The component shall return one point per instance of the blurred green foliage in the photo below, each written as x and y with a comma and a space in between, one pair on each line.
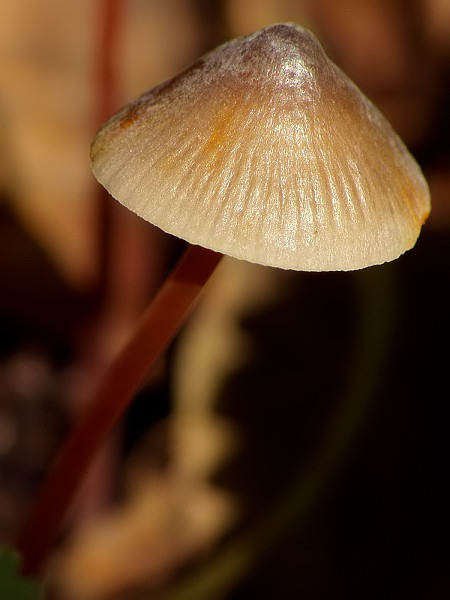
12, 585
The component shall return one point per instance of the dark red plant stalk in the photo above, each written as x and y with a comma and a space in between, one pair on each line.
157, 328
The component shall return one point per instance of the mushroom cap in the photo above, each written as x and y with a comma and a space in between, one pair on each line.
265, 150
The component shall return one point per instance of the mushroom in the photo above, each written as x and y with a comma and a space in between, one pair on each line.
263, 150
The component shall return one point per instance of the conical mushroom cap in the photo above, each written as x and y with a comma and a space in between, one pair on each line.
264, 150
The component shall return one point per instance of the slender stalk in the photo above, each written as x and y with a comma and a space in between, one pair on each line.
158, 326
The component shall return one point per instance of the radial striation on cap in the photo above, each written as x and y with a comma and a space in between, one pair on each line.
264, 150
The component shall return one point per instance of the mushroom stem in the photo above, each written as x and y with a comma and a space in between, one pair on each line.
159, 324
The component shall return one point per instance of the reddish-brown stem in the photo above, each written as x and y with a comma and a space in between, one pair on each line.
159, 324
